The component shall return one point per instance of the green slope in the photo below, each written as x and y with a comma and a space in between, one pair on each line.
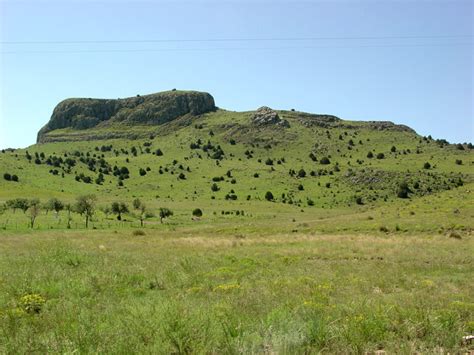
236, 150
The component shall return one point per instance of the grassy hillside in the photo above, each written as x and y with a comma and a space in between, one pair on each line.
245, 161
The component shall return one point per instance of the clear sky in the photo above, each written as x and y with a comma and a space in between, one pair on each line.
410, 62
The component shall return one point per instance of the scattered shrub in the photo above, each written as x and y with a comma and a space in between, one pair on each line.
197, 212
32, 303
325, 161
403, 190
269, 196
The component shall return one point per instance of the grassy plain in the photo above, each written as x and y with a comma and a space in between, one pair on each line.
214, 289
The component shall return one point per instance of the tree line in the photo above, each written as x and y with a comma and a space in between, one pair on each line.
85, 206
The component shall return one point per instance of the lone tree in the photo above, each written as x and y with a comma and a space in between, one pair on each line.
403, 190
427, 165
325, 161
34, 211
301, 173
118, 208
269, 196
141, 208
85, 205
197, 212
165, 213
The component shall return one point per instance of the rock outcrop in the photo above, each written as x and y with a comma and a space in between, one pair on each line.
154, 109
390, 126
265, 116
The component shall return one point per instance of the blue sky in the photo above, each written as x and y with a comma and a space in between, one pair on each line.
409, 71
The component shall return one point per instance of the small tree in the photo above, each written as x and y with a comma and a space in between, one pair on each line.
370, 155
197, 212
142, 211
34, 211
269, 196
403, 190
20, 203
68, 208
301, 173
325, 161
427, 165
85, 205
118, 208
55, 205
165, 213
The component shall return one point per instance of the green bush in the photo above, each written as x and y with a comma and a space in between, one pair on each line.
269, 196
325, 161
197, 212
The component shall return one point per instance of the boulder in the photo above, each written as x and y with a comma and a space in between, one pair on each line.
266, 116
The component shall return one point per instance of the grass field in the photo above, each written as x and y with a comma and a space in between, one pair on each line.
336, 262
217, 290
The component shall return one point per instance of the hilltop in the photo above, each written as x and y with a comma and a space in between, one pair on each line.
137, 117
154, 109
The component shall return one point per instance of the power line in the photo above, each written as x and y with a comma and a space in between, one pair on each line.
228, 48
270, 39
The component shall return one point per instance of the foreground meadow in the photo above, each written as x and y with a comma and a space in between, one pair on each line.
192, 289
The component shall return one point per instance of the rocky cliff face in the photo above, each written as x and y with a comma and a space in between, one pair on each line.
154, 109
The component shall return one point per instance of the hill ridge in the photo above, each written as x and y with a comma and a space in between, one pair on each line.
76, 119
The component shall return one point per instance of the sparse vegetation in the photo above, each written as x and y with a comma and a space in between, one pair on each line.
380, 248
